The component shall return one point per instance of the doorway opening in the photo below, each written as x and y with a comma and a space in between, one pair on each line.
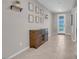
61, 24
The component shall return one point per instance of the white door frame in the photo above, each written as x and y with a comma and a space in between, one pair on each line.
58, 22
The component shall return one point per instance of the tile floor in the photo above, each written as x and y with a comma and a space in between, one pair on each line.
59, 47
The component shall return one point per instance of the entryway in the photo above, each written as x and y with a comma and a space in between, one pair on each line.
61, 24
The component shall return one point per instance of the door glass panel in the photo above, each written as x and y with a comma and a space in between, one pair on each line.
61, 23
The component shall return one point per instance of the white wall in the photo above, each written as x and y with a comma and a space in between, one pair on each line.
74, 26
16, 27
54, 24
68, 23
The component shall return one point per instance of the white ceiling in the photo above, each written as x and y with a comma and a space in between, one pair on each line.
58, 5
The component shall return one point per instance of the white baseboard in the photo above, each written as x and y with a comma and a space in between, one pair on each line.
15, 54
73, 40
68, 34
65, 33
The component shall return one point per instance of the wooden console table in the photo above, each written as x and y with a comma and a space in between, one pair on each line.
38, 37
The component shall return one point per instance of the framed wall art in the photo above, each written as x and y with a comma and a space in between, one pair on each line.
30, 6
46, 16
41, 20
41, 11
37, 19
30, 18
36, 9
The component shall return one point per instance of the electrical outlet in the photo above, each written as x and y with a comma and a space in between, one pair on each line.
20, 44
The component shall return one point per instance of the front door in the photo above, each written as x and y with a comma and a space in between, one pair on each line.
61, 24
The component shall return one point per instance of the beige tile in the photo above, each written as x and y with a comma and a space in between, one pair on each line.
59, 47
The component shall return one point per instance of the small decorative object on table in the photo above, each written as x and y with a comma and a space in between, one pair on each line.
16, 5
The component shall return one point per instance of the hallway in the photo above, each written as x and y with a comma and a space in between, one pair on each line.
58, 47
29, 24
